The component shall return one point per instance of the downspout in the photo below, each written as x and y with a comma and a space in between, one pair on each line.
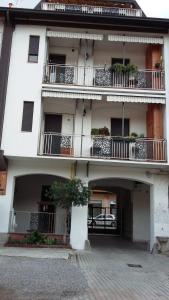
123, 111
83, 114
4, 73
4, 67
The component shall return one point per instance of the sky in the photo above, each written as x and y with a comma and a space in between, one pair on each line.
152, 8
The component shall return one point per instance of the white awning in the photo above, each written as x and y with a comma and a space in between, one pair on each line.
75, 35
135, 39
134, 99
59, 94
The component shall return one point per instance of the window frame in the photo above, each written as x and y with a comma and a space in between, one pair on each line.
32, 54
22, 124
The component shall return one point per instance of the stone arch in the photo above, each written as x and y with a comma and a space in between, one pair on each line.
45, 173
142, 179
32, 208
130, 197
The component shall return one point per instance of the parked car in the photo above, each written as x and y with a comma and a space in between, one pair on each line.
103, 219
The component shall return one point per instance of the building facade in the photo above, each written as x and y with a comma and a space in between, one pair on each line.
84, 94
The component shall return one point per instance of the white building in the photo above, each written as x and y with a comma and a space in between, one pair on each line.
86, 95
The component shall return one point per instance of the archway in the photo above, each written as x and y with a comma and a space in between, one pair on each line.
120, 207
32, 208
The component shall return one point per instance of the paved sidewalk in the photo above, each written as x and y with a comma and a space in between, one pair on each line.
52, 253
110, 278
104, 273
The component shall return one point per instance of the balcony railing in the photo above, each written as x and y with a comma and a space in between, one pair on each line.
27, 221
103, 77
104, 147
90, 9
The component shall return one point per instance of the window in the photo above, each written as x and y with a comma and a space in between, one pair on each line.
27, 116
120, 127
122, 61
33, 49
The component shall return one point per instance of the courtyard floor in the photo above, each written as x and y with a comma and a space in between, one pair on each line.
112, 270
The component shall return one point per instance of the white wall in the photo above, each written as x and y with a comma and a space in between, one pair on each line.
1, 34
105, 51
141, 213
159, 209
24, 84
25, 167
65, 107
27, 199
71, 56
103, 112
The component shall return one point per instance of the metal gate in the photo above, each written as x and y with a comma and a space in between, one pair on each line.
104, 220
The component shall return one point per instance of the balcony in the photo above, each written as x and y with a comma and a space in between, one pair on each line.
103, 77
92, 10
104, 147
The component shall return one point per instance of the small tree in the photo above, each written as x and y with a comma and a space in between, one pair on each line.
66, 194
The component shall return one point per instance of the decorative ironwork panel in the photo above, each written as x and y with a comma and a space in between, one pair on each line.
102, 147
66, 141
141, 150
144, 80
34, 221
103, 77
65, 75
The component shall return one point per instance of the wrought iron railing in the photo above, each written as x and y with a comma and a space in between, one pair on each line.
58, 144
142, 149
103, 147
90, 9
25, 222
103, 77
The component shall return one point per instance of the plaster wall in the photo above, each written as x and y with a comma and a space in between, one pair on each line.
100, 54
1, 34
71, 56
159, 213
24, 84
159, 209
141, 213
104, 52
103, 112
25, 167
64, 107
27, 199
104, 198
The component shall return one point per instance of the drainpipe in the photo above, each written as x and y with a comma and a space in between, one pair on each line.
83, 114
123, 110
4, 67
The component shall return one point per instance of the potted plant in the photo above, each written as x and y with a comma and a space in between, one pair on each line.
100, 131
104, 131
119, 68
131, 69
95, 131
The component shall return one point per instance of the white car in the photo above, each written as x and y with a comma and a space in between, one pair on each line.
103, 219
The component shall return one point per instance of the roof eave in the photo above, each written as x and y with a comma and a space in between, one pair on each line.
20, 15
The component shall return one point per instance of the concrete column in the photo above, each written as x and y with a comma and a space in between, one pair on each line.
82, 140
141, 213
166, 110
159, 209
78, 128
79, 229
6, 202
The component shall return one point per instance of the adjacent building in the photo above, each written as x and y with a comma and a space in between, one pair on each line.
85, 93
